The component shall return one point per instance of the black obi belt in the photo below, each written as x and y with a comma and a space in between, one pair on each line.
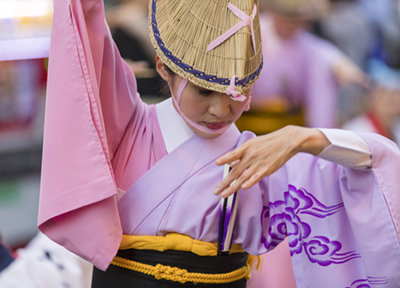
171, 268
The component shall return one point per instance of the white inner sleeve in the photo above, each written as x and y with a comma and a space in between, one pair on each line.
347, 149
174, 129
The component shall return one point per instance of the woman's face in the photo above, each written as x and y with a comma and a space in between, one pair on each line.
204, 107
207, 108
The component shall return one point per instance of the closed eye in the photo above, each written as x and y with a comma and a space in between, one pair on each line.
205, 91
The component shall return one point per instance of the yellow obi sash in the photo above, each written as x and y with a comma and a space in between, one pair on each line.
179, 242
173, 241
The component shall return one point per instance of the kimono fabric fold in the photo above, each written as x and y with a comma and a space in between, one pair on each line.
65, 178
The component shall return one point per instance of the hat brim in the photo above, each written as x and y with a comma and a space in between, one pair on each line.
207, 80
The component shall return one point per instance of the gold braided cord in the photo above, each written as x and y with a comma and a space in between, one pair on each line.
181, 275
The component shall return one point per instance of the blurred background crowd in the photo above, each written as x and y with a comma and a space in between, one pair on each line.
327, 63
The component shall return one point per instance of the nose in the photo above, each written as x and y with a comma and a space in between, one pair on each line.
220, 106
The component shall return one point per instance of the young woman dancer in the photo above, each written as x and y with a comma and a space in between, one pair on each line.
132, 184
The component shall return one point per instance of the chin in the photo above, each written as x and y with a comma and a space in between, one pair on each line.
207, 135
204, 134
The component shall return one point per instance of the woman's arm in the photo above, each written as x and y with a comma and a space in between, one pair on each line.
112, 81
91, 97
263, 155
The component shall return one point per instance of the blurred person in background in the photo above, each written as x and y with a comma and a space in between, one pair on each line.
127, 20
43, 264
301, 70
362, 29
347, 27
382, 113
6, 257
384, 16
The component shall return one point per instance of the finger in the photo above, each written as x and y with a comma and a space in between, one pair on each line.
234, 163
252, 181
231, 189
232, 176
226, 182
232, 156
237, 184
228, 192
228, 157
259, 173
221, 186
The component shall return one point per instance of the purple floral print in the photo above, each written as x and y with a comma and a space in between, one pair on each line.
365, 283
319, 249
324, 252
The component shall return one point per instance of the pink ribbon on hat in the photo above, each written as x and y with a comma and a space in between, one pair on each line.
231, 91
246, 21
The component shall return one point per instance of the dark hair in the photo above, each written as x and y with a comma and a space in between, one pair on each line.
164, 90
170, 72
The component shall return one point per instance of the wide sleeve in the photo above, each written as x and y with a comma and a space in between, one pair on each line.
342, 224
91, 97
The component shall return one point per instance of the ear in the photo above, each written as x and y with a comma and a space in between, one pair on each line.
160, 67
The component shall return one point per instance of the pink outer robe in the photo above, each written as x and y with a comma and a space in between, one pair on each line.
79, 190
101, 139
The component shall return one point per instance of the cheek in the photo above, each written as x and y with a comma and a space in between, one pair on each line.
192, 106
238, 108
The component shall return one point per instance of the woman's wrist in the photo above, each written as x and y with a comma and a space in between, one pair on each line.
312, 141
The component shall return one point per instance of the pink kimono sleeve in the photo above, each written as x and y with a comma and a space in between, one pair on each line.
78, 206
386, 167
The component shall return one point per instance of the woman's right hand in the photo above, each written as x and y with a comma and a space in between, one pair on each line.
263, 155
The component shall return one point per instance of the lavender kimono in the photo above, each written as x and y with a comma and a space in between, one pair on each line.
102, 141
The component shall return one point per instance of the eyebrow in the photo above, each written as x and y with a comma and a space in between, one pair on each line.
201, 88
204, 89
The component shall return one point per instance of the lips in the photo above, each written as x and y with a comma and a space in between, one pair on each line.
215, 125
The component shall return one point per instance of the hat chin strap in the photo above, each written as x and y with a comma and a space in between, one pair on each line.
201, 128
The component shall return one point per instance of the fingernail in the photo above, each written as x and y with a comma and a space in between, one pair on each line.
217, 191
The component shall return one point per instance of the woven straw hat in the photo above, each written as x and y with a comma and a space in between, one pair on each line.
183, 31
294, 7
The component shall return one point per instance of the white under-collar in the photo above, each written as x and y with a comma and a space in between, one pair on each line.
174, 129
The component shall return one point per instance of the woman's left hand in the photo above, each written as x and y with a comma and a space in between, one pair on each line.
263, 155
